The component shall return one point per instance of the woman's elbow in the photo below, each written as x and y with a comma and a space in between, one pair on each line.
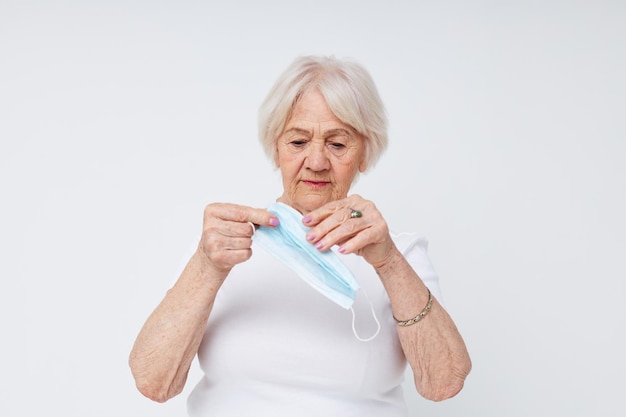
155, 392
445, 386
443, 391
151, 386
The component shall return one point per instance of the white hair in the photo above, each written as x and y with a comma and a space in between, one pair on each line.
350, 94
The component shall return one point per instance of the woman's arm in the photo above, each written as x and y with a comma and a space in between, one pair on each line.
433, 346
168, 341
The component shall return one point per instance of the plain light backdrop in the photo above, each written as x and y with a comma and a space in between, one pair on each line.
120, 121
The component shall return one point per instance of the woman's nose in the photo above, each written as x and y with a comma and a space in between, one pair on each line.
317, 158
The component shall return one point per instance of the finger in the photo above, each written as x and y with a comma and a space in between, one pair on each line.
227, 235
342, 233
337, 206
332, 217
357, 241
318, 215
237, 243
238, 229
227, 259
241, 214
261, 217
323, 230
351, 231
219, 228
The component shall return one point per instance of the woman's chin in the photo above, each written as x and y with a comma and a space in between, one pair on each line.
306, 205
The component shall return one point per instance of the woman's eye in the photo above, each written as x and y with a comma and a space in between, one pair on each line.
298, 143
337, 148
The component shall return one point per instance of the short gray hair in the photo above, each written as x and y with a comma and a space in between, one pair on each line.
350, 94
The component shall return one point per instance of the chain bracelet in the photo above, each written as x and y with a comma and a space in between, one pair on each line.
420, 316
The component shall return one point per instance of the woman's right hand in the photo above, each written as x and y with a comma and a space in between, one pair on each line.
227, 234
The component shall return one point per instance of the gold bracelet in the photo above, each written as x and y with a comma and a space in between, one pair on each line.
420, 316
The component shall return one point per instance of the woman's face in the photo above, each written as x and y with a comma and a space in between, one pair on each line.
318, 155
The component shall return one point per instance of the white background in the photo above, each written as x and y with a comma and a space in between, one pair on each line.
120, 120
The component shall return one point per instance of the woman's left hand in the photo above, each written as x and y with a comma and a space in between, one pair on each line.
366, 235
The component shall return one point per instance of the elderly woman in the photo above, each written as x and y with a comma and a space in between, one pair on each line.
268, 344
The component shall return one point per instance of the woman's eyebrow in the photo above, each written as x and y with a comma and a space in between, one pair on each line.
299, 130
326, 134
336, 132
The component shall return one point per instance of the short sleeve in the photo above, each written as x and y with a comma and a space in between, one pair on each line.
414, 248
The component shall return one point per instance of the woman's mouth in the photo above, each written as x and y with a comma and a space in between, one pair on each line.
316, 184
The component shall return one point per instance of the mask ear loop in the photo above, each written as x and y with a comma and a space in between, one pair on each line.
360, 339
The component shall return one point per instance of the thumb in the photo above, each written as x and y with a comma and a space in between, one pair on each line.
263, 217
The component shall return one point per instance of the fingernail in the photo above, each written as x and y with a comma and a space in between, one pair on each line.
274, 221
306, 219
319, 245
342, 249
310, 237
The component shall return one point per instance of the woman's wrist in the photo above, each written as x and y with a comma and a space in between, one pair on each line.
389, 263
200, 272
407, 293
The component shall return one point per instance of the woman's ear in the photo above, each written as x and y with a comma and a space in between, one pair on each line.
364, 156
363, 164
276, 159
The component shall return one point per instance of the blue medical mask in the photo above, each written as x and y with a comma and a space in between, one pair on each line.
324, 271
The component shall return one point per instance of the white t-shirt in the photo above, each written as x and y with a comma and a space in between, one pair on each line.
275, 347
